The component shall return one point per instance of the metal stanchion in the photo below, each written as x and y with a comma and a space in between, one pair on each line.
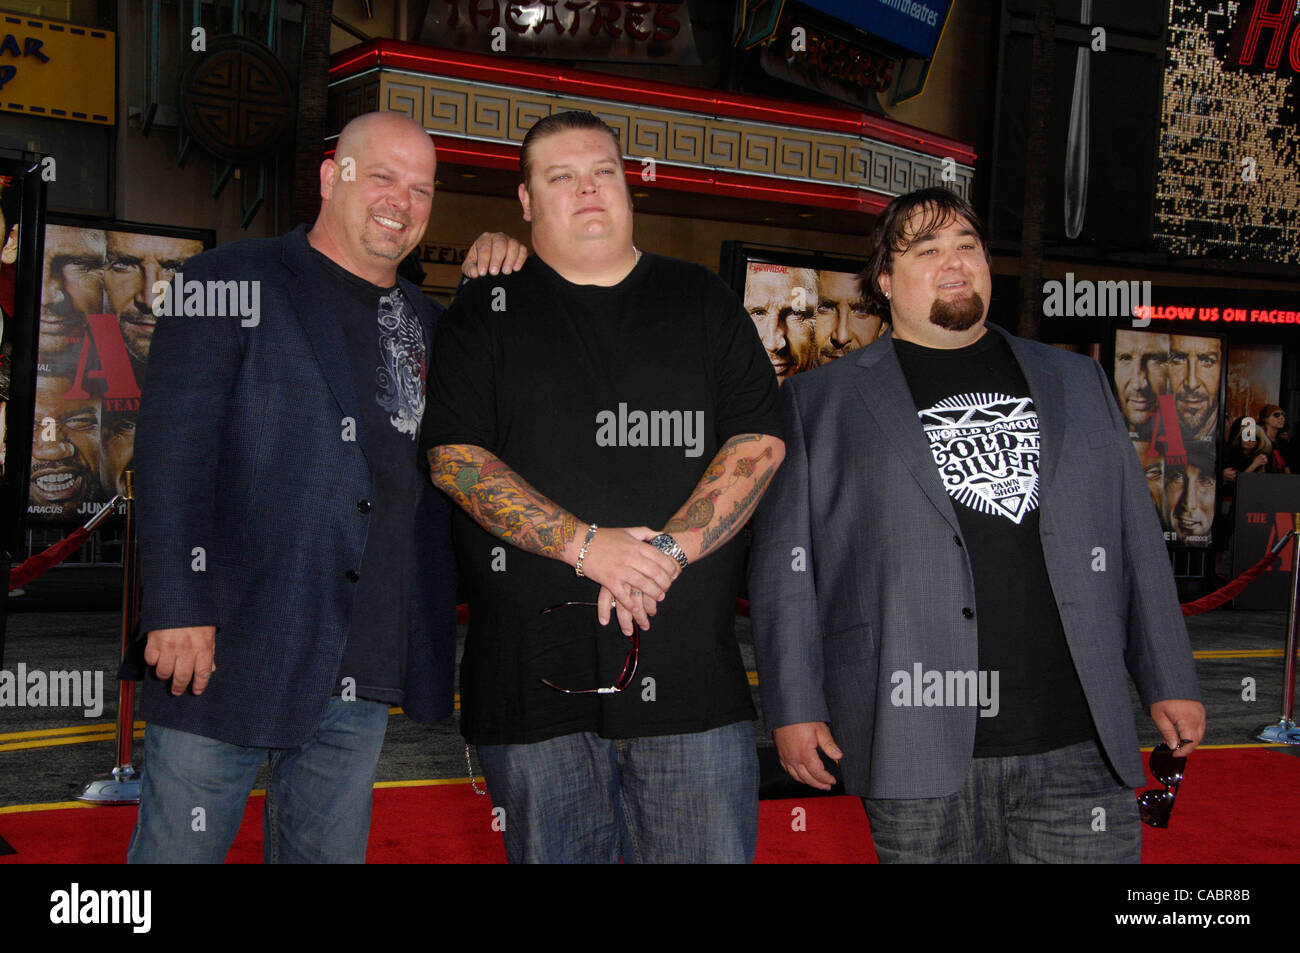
123, 785
1285, 731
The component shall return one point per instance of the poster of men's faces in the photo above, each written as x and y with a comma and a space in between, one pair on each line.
96, 323
1169, 388
807, 317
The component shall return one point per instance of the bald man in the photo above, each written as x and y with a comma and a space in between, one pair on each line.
297, 569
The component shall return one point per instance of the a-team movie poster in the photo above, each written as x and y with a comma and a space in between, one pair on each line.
1170, 387
10, 215
96, 324
807, 317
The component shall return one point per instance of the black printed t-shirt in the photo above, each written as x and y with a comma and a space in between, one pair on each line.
385, 341
571, 385
982, 428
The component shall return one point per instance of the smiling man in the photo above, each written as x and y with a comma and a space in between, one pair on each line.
297, 571
988, 527
610, 414
65, 448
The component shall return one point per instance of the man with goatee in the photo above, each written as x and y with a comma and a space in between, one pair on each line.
952, 615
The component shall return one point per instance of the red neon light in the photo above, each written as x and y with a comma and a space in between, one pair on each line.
472, 66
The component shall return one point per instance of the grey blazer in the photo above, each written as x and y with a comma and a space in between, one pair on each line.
859, 569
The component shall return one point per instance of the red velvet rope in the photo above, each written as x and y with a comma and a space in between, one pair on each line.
1228, 591
37, 565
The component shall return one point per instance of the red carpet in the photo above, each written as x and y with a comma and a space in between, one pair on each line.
1234, 808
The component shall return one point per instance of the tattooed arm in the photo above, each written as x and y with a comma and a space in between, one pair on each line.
727, 494
504, 504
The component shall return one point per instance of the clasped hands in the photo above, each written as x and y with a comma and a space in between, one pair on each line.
633, 575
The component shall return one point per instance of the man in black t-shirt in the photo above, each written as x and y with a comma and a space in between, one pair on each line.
612, 416
982, 565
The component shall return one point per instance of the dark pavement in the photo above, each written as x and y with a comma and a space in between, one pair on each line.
69, 621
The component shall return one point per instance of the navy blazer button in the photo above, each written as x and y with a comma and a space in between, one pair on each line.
968, 612
352, 575
364, 506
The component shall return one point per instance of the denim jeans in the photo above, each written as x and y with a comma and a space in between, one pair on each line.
580, 798
1027, 809
317, 799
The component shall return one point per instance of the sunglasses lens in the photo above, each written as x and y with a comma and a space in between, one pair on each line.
1155, 807
1165, 768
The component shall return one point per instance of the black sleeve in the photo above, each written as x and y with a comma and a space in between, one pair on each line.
460, 395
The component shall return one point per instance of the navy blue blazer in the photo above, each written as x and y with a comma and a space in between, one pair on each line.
250, 461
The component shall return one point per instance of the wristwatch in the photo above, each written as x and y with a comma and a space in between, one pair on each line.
666, 544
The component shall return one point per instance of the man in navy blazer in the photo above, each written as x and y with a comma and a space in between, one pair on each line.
955, 567
296, 565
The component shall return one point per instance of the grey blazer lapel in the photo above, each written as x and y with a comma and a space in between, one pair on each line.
316, 313
883, 387
1048, 391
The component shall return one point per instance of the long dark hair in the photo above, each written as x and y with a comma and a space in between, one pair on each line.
891, 235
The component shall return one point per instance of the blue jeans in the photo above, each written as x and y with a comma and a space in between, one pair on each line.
317, 799
1062, 806
580, 798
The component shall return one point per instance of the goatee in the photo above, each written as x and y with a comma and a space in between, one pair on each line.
959, 315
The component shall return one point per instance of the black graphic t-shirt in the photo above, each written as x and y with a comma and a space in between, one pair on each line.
982, 427
385, 342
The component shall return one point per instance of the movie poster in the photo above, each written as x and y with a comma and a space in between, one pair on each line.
807, 317
10, 219
96, 322
1169, 388
1254, 379
22, 201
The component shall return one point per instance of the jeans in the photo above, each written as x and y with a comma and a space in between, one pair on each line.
317, 799
580, 798
1062, 806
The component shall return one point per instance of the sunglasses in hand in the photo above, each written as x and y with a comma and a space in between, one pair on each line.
1154, 805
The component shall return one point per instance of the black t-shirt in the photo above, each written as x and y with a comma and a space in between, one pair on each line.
982, 427
611, 402
385, 341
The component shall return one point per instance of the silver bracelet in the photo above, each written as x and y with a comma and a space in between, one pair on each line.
582, 553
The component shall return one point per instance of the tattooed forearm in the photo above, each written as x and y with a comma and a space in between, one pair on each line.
732, 484
501, 501
726, 527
